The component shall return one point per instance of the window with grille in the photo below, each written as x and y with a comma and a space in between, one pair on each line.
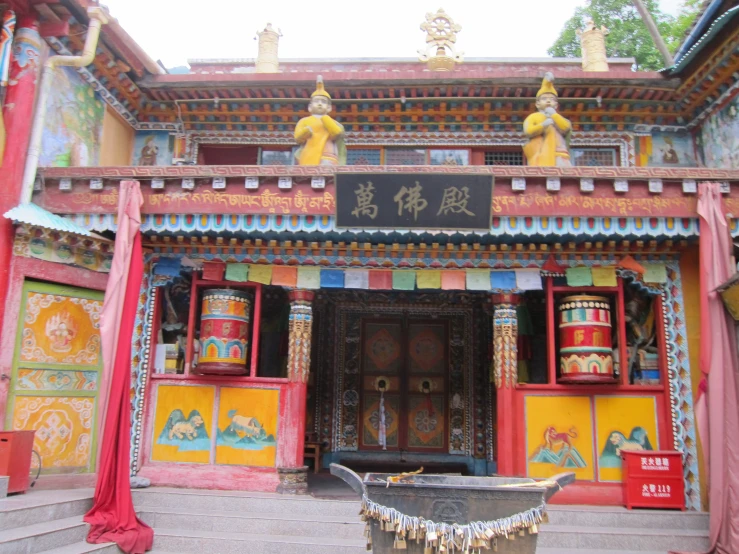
363, 156
504, 158
593, 156
405, 156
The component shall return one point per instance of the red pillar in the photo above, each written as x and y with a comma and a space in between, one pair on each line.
505, 373
18, 117
293, 474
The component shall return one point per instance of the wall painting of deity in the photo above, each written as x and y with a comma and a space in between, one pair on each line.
56, 369
247, 427
153, 148
623, 423
671, 150
559, 436
183, 423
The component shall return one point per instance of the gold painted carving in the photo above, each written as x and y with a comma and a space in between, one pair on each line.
441, 35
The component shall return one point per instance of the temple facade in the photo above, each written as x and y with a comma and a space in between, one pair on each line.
475, 265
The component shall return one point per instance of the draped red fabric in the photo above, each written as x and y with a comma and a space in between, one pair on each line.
112, 517
717, 411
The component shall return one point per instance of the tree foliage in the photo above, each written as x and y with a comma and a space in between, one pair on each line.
628, 36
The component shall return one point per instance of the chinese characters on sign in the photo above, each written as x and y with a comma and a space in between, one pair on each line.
414, 201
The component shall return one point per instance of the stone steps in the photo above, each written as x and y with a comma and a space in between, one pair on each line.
242, 502
84, 548
198, 542
623, 539
266, 524
203, 522
42, 536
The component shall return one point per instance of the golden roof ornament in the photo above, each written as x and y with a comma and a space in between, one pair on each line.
441, 34
267, 58
593, 44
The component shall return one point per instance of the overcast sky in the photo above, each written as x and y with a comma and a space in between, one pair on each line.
175, 31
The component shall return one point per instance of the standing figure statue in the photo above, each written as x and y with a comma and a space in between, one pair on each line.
321, 138
548, 132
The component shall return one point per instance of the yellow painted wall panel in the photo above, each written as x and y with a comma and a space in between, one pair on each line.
623, 423
559, 436
247, 427
117, 143
183, 423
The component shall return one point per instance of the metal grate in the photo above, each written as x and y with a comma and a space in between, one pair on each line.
504, 158
593, 156
405, 156
362, 156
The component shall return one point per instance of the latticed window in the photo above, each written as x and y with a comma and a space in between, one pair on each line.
405, 156
593, 156
512, 157
362, 156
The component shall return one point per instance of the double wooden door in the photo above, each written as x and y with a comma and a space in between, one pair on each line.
404, 384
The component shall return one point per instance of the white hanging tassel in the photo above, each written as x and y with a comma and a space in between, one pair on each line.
382, 432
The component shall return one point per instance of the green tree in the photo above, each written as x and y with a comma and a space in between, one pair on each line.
628, 36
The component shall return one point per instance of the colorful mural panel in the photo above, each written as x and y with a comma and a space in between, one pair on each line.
64, 429
247, 427
61, 330
623, 423
182, 423
153, 148
559, 436
672, 150
73, 127
718, 139
56, 380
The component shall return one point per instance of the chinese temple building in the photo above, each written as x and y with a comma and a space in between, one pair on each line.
435, 267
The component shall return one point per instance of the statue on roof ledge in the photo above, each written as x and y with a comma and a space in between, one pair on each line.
548, 133
321, 138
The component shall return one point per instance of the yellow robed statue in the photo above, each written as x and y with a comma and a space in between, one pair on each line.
321, 138
547, 131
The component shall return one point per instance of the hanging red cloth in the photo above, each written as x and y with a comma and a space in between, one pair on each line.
112, 517
718, 395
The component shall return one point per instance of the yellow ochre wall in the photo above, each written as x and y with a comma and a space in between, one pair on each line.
690, 272
117, 144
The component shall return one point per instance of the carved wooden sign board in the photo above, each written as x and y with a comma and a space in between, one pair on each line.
414, 201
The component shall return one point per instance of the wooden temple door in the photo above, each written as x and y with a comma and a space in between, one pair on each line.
405, 366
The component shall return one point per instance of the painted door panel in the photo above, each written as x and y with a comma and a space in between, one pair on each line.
410, 357
57, 365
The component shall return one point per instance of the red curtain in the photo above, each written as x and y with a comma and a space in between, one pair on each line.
112, 517
717, 404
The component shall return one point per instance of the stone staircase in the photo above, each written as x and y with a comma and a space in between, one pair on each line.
223, 522
48, 522
203, 522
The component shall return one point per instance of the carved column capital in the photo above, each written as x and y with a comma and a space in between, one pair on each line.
301, 327
505, 340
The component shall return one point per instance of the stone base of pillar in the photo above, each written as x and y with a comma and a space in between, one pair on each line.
293, 480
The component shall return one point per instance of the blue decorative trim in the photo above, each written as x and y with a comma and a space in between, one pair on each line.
566, 228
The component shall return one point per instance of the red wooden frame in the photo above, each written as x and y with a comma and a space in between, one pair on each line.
593, 492
196, 287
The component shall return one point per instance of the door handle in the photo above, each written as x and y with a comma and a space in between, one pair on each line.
4, 377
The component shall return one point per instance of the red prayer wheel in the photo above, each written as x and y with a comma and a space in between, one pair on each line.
224, 332
585, 349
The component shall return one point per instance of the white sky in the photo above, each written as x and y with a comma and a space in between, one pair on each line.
174, 31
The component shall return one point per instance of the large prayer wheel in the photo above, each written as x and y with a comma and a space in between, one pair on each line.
224, 332
585, 350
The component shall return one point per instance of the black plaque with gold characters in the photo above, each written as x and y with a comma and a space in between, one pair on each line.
414, 201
